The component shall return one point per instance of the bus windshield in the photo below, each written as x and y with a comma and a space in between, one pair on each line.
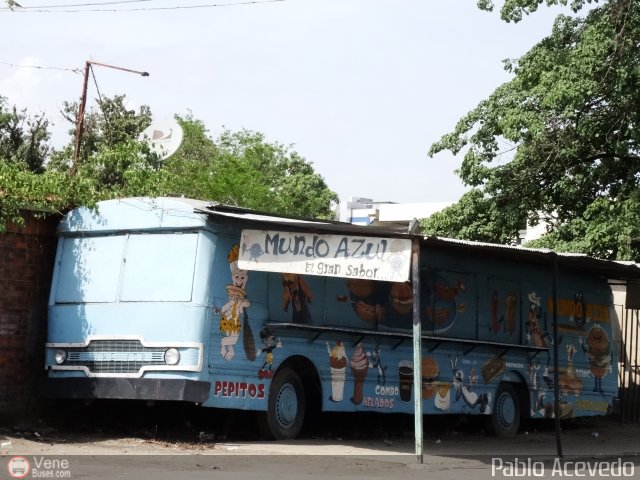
127, 268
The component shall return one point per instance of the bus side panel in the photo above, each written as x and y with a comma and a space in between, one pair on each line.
466, 297
238, 310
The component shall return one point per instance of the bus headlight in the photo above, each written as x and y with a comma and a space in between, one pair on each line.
60, 356
172, 356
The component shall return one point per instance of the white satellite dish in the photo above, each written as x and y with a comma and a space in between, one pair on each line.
164, 137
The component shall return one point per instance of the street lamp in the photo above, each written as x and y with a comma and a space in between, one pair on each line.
83, 102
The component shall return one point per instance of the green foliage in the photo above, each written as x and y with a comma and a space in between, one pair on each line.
474, 217
608, 229
239, 168
513, 10
49, 192
571, 116
23, 138
112, 167
104, 128
242, 168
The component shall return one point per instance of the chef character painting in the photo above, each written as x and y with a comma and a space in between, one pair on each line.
231, 314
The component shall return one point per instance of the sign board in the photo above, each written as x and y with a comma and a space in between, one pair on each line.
372, 258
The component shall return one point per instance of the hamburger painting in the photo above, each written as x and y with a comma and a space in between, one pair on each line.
401, 297
430, 372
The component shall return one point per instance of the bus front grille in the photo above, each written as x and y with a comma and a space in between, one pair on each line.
115, 356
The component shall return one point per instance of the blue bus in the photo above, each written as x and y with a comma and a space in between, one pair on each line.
182, 300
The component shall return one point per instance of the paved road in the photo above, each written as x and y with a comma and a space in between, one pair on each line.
461, 456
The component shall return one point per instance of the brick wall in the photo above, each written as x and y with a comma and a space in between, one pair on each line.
26, 265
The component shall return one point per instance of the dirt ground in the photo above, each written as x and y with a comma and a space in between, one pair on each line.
164, 443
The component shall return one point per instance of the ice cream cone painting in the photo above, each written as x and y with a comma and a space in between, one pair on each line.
338, 365
443, 396
359, 368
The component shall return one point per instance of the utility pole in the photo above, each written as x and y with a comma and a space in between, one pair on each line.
83, 103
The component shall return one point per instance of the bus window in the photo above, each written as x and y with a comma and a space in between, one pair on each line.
159, 268
89, 269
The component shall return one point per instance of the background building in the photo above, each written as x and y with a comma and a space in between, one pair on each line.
397, 216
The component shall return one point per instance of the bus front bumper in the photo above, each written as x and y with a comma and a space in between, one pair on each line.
126, 389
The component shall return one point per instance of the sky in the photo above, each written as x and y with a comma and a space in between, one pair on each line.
359, 88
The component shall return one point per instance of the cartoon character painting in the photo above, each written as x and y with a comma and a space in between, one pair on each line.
235, 310
598, 350
376, 362
580, 310
542, 405
538, 391
536, 336
570, 383
270, 342
397, 259
297, 293
471, 398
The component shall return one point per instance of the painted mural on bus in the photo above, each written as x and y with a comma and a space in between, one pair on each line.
172, 299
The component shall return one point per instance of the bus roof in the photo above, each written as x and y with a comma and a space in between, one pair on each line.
165, 213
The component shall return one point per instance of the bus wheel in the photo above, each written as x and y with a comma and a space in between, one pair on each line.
286, 409
504, 420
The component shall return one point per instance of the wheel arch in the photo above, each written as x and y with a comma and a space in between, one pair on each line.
310, 377
519, 382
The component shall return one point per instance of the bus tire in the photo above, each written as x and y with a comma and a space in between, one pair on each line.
286, 406
504, 420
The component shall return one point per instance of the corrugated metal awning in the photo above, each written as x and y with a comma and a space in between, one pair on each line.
568, 261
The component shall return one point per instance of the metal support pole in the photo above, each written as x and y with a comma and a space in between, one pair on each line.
556, 367
80, 119
417, 348
626, 372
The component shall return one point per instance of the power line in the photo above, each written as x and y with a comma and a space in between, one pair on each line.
93, 4
141, 9
41, 67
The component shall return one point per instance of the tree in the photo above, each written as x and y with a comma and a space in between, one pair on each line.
571, 115
105, 127
243, 168
240, 168
513, 10
475, 217
23, 138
